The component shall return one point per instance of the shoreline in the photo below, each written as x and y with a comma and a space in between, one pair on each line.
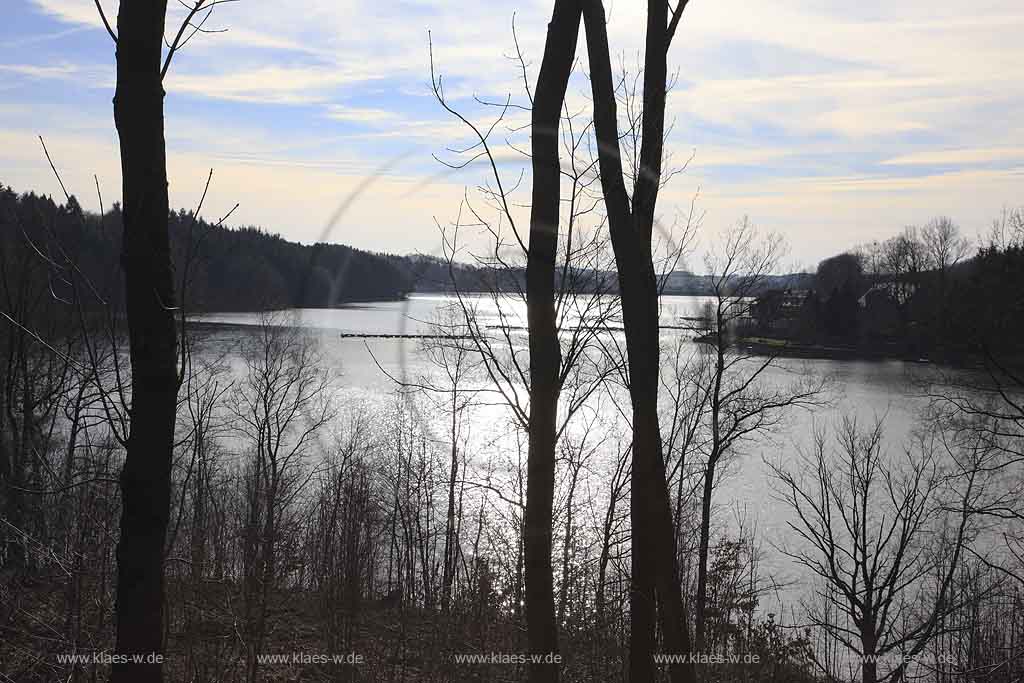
768, 346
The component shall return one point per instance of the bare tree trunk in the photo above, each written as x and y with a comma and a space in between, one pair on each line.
869, 666
545, 353
654, 562
20, 419
701, 599
450, 554
146, 259
563, 591
700, 617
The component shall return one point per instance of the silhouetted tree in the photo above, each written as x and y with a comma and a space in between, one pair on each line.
837, 272
738, 402
655, 580
146, 477
884, 535
545, 350
150, 307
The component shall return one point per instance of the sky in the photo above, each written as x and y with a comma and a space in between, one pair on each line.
833, 123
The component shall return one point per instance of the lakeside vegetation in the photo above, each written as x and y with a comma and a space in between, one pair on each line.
925, 294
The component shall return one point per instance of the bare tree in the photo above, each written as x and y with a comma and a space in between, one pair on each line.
631, 223
279, 408
452, 354
149, 283
944, 247
345, 532
545, 351
740, 402
1007, 230
884, 535
197, 464
904, 259
566, 306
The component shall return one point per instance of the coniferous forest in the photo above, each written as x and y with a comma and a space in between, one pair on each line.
241, 269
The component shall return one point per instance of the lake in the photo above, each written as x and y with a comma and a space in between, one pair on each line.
866, 389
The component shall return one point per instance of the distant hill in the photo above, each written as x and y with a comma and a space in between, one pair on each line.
226, 269
431, 274
248, 268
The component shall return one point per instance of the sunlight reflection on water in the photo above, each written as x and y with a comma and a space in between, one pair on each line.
868, 389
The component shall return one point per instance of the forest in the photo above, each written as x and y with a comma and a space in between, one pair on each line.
250, 269
241, 269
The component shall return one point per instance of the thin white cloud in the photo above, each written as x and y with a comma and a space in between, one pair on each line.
83, 13
61, 71
364, 115
958, 157
265, 84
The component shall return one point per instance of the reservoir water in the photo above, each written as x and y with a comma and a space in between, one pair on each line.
865, 389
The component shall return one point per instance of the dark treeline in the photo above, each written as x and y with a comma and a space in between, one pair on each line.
251, 269
248, 268
239, 269
924, 292
432, 274
218, 268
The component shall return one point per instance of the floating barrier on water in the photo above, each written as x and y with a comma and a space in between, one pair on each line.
345, 335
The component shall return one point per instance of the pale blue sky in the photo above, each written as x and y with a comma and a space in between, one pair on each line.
831, 122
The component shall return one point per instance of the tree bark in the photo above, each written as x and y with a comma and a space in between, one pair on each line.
146, 260
563, 592
545, 352
869, 665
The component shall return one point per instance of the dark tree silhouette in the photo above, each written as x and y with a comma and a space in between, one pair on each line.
153, 343
738, 399
631, 223
545, 353
885, 535
146, 259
